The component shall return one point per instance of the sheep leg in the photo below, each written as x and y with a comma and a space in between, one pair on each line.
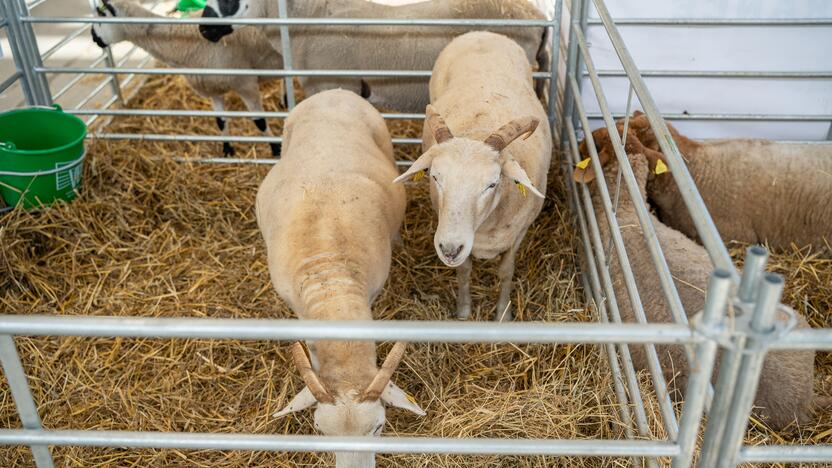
506, 274
254, 102
219, 106
463, 296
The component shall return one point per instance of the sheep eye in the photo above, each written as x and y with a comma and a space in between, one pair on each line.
377, 430
491, 186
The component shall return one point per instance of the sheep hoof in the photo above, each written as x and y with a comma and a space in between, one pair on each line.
504, 313
276, 149
228, 150
463, 313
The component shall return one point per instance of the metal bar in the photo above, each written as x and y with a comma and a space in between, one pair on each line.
250, 72
10, 81
305, 443
20, 61
819, 339
721, 74
717, 21
571, 70
820, 453
656, 373
66, 40
553, 66
36, 3
26, 408
687, 187
28, 48
286, 49
71, 83
89, 97
741, 117
214, 138
701, 370
768, 299
224, 114
416, 331
108, 53
498, 23
253, 162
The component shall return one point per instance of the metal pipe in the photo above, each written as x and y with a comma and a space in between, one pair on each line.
717, 21
819, 339
701, 370
250, 72
201, 113
497, 23
656, 373
705, 226
71, 83
306, 443
736, 117
66, 40
721, 74
28, 47
755, 263
20, 61
286, 49
762, 321
571, 70
820, 453
253, 162
10, 81
416, 331
26, 408
554, 43
214, 138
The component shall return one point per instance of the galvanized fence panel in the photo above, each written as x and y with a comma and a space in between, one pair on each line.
746, 346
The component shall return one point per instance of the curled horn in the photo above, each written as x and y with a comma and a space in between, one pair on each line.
438, 127
511, 131
308, 375
391, 362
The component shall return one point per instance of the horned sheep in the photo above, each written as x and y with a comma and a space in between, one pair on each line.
180, 45
377, 47
328, 215
486, 190
784, 394
756, 191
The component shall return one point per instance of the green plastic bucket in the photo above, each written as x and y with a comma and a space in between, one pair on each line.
41, 156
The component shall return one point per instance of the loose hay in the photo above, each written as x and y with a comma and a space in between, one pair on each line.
154, 238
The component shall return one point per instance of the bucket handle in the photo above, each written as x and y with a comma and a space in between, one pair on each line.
69, 166
8, 145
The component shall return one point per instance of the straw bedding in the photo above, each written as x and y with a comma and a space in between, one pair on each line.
154, 238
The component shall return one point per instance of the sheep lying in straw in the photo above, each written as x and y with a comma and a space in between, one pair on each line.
377, 47
328, 214
757, 191
478, 181
180, 45
785, 391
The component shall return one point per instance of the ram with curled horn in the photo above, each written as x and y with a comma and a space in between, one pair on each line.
329, 215
486, 182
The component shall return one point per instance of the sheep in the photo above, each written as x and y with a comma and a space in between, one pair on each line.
785, 391
757, 191
180, 45
478, 179
328, 215
378, 47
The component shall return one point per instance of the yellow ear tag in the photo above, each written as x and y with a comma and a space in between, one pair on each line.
583, 164
661, 168
410, 398
522, 188
418, 176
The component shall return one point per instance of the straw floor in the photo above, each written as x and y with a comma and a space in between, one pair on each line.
154, 238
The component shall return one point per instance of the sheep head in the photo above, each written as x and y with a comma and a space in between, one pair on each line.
468, 178
354, 414
606, 152
228, 9
107, 34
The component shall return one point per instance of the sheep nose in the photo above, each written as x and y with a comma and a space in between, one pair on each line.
450, 251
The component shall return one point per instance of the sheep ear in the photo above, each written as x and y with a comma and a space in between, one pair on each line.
304, 399
513, 171
395, 396
419, 165
583, 175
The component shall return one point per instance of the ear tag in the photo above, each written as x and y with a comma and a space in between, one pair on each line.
410, 398
661, 168
100, 10
418, 176
583, 164
522, 188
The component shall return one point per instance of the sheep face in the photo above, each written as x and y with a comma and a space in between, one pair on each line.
105, 35
226, 9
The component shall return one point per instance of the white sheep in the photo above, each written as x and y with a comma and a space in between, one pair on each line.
377, 47
785, 391
180, 45
328, 214
756, 191
486, 191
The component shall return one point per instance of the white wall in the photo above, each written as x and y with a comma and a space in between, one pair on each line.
741, 48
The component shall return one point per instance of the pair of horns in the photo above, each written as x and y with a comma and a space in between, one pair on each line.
497, 140
371, 393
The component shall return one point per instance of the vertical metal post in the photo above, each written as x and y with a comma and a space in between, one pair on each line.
755, 260
553, 67
768, 300
286, 50
23, 397
24, 47
701, 367
111, 63
571, 63
829, 133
